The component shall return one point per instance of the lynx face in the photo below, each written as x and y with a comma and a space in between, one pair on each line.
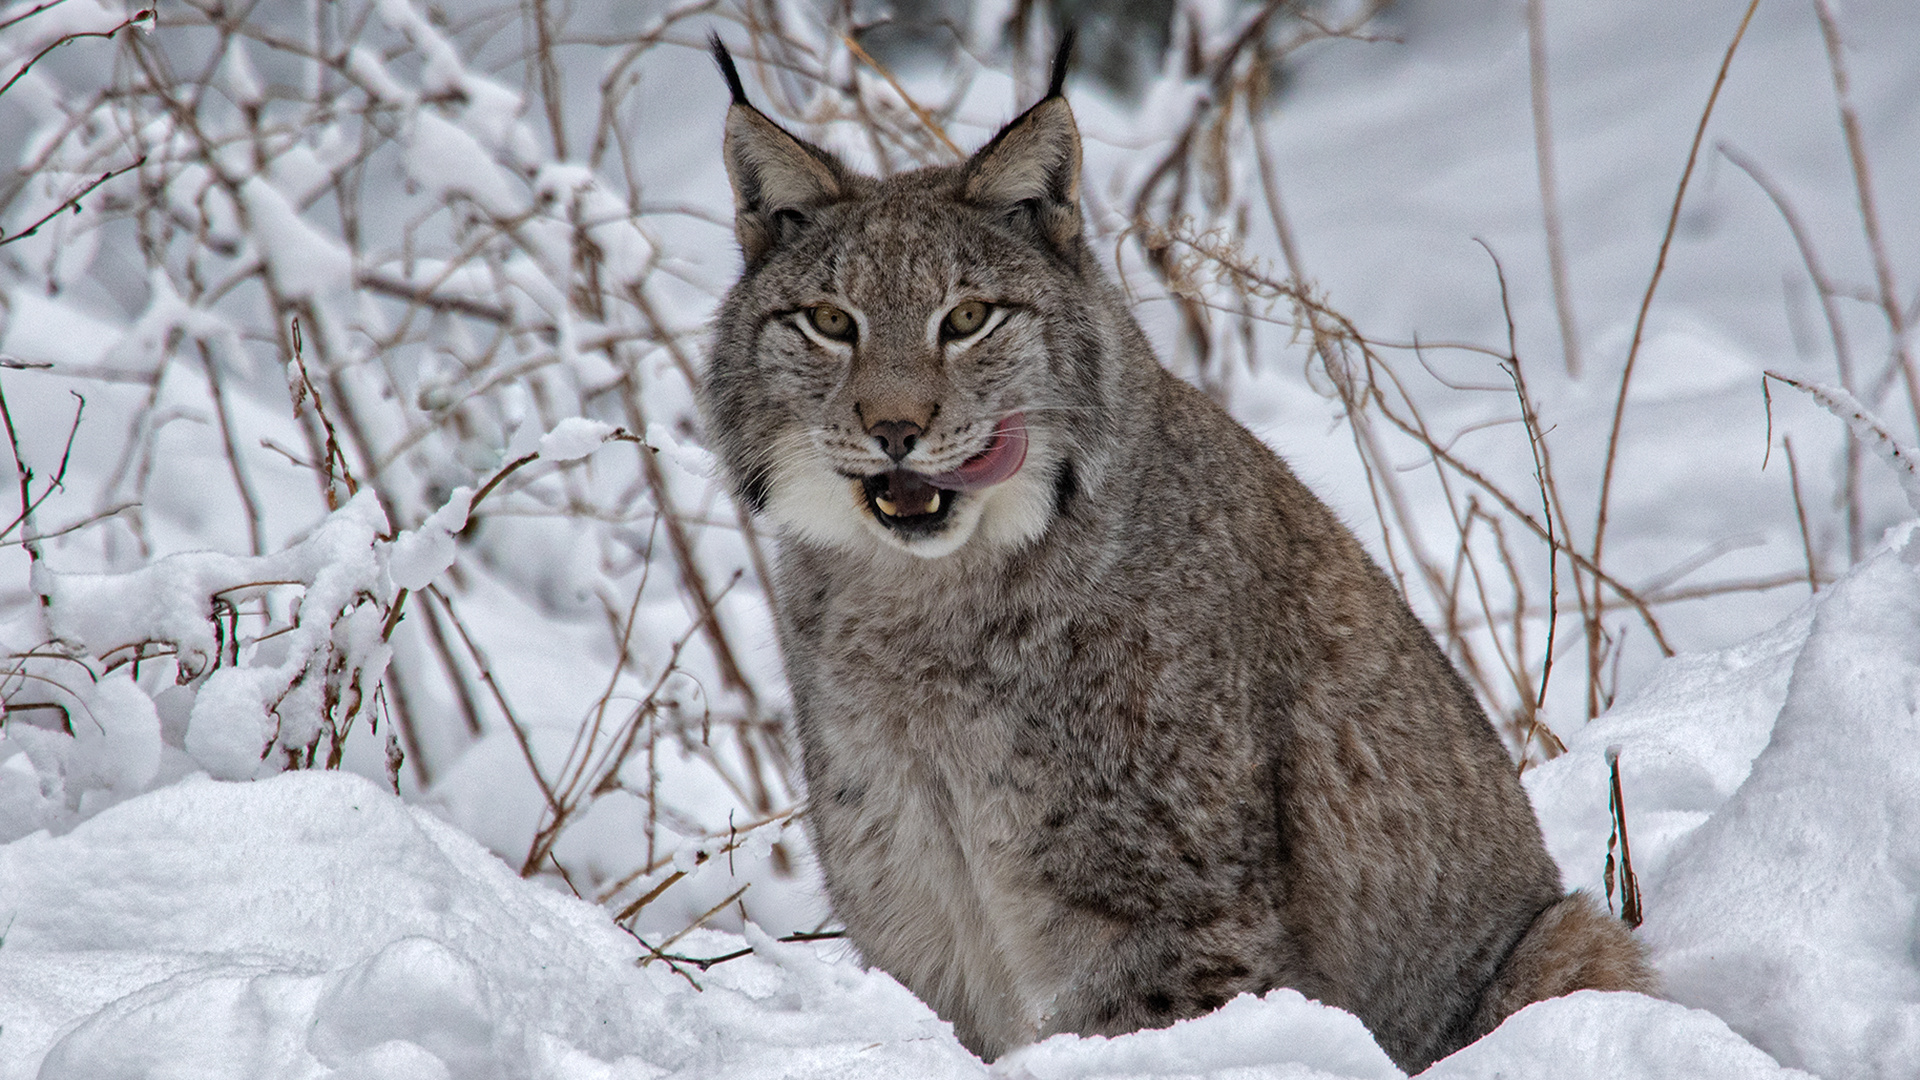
911, 356
897, 365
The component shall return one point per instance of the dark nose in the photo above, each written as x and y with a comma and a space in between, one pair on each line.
896, 437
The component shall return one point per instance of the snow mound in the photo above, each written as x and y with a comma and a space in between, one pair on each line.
1281, 1036
313, 925
1773, 803
1795, 911
1595, 1036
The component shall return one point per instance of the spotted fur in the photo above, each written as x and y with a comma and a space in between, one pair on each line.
1140, 728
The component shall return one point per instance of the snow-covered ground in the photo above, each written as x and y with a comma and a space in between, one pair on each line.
314, 925
156, 921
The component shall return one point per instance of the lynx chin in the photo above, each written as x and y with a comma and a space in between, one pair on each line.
1105, 717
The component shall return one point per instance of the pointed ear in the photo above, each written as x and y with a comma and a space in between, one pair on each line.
777, 178
1033, 165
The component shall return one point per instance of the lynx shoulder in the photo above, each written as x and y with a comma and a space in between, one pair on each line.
1105, 718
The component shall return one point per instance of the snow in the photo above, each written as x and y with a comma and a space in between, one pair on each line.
447, 161
1594, 1036
695, 461
371, 74
313, 925
116, 747
172, 903
418, 556
304, 261
574, 438
1280, 1034
42, 331
1795, 910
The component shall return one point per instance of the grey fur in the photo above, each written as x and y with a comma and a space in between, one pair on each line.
1141, 727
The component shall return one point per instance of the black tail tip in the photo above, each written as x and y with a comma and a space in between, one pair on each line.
1062, 58
725, 59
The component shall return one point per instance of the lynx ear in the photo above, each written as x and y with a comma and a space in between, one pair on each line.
1033, 165
777, 178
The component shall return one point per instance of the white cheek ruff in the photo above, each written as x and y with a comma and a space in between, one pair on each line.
1016, 511
816, 504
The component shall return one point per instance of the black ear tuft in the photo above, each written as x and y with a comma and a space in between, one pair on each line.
1061, 58
725, 60
776, 177
1031, 171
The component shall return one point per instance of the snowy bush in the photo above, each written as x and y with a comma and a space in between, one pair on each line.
335, 291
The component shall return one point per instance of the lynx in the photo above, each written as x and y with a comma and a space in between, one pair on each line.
1104, 717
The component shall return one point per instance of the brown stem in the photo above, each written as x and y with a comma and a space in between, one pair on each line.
1889, 298
1594, 658
1800, 512
1549, 188
1836, 329
256, 533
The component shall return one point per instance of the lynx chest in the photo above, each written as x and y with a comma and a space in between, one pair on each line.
930, 789
996, 799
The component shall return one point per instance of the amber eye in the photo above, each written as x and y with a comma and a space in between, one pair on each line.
831, 321
964, 320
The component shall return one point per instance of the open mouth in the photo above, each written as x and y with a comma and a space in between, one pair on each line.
906, 502
911, 502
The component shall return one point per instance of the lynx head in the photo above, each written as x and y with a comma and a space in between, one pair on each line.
912, 361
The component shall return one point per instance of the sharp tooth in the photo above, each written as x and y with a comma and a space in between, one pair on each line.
933, 504
887, 506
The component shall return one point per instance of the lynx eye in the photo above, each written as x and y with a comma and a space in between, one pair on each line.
965, 320
831, 321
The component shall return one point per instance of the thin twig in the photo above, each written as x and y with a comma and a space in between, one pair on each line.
1270, 191
736, 836
30, 13
660, 949
137, 17
1836, 329
1800, 512
1639, 331
1889, 294
307, 391
926, 117
1330, 330
256, 531
1542, 475
499, 697
1871, 430
59, 476
1549, 187
552, 92
1629, 882
90, 519
72, 201
706, 963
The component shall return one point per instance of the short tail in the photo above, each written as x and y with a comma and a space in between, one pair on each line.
1570, 946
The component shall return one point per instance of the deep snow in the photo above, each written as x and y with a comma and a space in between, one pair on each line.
313, 925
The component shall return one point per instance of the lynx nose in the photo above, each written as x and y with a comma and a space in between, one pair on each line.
896, 437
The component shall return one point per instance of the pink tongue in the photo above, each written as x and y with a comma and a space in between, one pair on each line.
1004, 455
